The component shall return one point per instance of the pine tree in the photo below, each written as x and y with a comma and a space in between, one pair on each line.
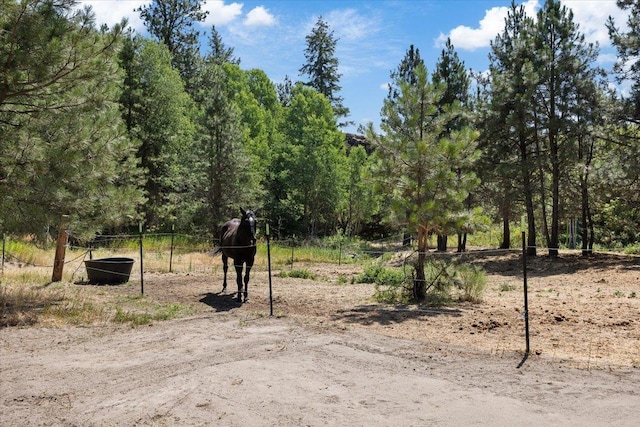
565, 65
628, 47
322, 66
405, 73
157, 111
418, 166
171, 22
62, 145
218, 51
451, 72
508, 140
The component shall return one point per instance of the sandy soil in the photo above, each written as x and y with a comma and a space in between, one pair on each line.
331, 356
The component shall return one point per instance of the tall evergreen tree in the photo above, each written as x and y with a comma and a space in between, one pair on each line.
221, 163
404, 73
508, 140
218, 51
171, 22
565, 65
451, 72
322, 66
157, 111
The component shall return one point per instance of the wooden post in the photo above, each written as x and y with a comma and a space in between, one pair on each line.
58, 262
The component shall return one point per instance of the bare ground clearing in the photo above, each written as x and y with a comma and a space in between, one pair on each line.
331, 355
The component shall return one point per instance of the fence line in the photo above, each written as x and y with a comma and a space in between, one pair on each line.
103, 243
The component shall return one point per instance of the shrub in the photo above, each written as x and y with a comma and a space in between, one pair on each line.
443, 279
472, 282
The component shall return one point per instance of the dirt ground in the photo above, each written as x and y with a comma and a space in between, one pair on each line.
330, 355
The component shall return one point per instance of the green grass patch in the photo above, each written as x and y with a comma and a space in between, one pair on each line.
150, 313
298, 274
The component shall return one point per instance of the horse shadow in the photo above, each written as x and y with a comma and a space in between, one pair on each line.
220, 302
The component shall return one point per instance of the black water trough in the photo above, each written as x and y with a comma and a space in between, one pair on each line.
108, 271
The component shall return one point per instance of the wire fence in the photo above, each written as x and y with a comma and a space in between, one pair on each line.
184, 253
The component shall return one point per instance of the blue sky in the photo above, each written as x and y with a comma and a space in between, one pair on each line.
373, 36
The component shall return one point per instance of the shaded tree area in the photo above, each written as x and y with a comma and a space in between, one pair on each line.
64, 149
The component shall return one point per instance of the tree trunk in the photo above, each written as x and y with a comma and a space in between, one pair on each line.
419, 283
554, 242
506, 228
442, 243
462, 242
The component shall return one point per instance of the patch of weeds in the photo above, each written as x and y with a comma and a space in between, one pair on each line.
369, 274
392, 285
506, 287
632, 250
472, 281
618, 294
298, 274
155, 313
632, 295
342, 279
135, 319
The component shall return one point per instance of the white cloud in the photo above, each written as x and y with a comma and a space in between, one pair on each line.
592, 16
349, 25
220, 13
468, 38
111, 12
258, 17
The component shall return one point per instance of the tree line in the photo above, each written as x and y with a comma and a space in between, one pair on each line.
115, 128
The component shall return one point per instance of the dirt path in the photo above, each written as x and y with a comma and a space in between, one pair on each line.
331, 356
239, 371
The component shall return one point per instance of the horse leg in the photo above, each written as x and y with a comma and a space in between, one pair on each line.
225, 267
239, 280
246, 282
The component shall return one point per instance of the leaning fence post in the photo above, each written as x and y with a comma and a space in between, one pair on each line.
58, 262
526, 299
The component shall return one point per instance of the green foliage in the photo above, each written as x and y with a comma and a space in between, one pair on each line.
472, 282
369, 274
444, 282
298, 274
146, 314
171, 23
157, 111
63, 146
309, 159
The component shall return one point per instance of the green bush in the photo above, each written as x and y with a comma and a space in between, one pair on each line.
369, 274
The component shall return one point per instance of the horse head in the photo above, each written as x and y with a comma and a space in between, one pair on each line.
249, 222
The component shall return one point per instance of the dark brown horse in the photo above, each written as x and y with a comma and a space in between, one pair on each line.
238, 242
